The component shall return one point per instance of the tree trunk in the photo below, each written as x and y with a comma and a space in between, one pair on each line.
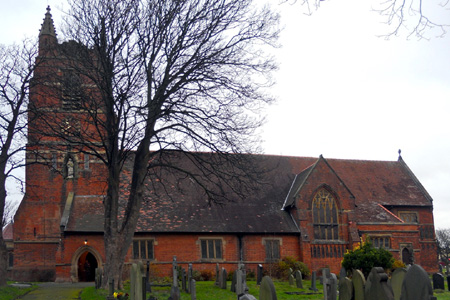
3, 250
3, 261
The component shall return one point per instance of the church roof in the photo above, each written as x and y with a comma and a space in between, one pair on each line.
178, 206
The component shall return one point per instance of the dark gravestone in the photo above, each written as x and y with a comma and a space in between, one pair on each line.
438, 281
342, 274
223, 279
313, 282
189, 277
416, 285
259, 274
329, 285
233, 283
345, 289
217, 274
359, 283
247, 297
192, 289
183, 281
448, 283
148, 287
267, 289
397, 281
291, 277
298, 279
377, 286
441, 269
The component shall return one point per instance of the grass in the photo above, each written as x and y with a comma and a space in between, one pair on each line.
206, 290
10, 293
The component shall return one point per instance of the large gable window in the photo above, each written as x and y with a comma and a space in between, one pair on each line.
325, 216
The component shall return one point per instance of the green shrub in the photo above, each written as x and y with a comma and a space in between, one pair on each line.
366, 257
281, 268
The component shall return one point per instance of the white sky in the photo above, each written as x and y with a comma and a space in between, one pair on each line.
342, 91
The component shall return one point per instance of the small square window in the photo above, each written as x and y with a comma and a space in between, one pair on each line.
143, 249
211, 248
272, 250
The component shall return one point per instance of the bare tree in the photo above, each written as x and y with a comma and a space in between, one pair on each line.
16, 69
160, 82
443, 243
410, 17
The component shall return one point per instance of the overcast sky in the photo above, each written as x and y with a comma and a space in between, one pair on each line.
342, 91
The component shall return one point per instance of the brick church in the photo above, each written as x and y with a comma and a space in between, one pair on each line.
312, 209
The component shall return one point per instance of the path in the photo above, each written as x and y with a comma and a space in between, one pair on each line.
57, 291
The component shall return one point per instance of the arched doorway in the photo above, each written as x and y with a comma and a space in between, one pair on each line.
407, 256
87, 263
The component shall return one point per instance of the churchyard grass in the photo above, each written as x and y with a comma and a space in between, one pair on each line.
10, 292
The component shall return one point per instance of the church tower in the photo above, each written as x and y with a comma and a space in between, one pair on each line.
58, 169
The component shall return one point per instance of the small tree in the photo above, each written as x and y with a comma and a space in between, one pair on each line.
365, 257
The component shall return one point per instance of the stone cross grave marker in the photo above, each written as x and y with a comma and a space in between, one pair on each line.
359, 283
329, 284
313, 282
291, 277
438, 281
267, 289
396, 282
377, 286
175, 290
298, 279
416, 285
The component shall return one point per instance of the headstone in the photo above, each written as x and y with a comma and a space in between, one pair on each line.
183, 280
359, 283
217, 274
342, 274
111, 290
174, 293
175, 290
133, 279
416, 285
377, 286
448, 283
438, 281
291, 277
298, 279
396, 282
223, 279
441, 269
267, 289
189, 277
240, 288
345, 289
313, 282
193, 289
233, 283
140, 283
259, 274
329, 285
148, 287
98, 278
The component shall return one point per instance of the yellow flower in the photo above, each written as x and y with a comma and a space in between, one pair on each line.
115, 295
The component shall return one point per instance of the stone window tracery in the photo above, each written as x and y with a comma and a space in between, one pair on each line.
325, 216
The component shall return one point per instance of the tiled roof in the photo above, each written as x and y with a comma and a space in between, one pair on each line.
176, 204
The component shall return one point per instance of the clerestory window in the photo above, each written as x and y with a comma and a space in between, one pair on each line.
325, 216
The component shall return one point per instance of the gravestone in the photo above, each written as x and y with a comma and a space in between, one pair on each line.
416, 285
217, 274
247, 297
175, 290
110, 290
298, 279
441, 269
223, 279
189, 277
233, 283
342, 274
183, 281
329, 284
291, 277
140, 283
133, 279
377, 286
98, 278
148, 287
267, 289
259, 274
396, 282
192, 289
345, 289
359, 283
438, 281
313, 282
240, 282
448, 283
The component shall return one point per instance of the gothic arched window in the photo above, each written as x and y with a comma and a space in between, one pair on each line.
325, 216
